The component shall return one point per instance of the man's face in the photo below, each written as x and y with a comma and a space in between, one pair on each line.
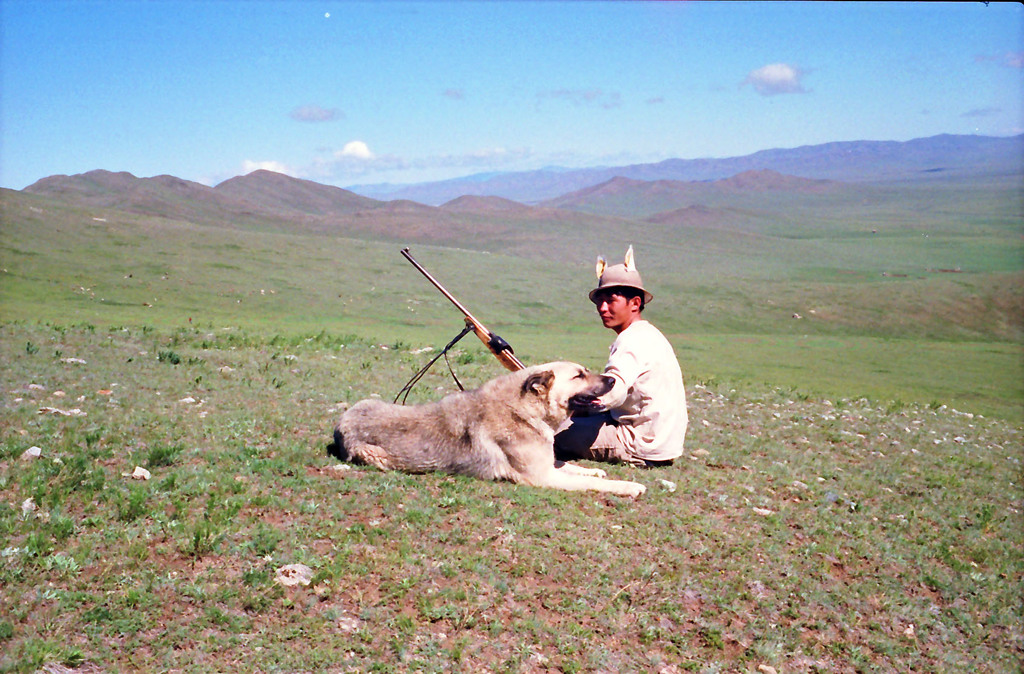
616, 312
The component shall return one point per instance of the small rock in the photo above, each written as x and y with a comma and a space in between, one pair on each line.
28, 506
139, 473
32, 453
700, 453
667, 485
340, 467
764, 512
348, 623
64, 413
767, 669
291, 575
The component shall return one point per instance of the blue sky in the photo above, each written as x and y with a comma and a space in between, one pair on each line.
349, 93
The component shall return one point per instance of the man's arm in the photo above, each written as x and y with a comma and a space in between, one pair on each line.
624, 367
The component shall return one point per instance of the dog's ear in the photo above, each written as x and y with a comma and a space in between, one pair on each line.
538, 382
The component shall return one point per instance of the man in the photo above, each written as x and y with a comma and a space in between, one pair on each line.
645, 421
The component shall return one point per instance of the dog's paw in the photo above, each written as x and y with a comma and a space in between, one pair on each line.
635, 490
574, 469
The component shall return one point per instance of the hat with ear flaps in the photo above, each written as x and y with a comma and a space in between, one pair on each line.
622, 275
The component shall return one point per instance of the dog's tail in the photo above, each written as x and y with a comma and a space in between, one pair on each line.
337, 448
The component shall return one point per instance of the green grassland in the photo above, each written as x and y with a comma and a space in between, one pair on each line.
929, 308
802, 534
850, 498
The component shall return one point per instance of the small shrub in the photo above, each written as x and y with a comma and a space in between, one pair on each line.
62, 564
92, 436
205, 539
256, 577
133, 507
168, 356
163, 455
61, 527
37, 544
265, 541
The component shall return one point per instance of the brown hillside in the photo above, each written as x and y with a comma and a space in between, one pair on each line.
773, 180
275, 192
400, 207
106, 188
690, 216
164, 196
475, 204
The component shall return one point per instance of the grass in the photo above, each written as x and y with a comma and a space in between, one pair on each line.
813, 312
807, 534
850, 499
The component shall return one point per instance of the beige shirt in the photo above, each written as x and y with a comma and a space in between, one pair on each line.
648, 399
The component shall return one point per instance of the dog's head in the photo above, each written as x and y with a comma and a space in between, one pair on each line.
567, 387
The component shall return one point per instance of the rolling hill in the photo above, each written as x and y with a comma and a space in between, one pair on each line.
629, 197
271, 192
480, 205
784, 240
258, 196
759, 276
273, 202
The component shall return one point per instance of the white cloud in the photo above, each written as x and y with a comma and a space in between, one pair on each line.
354, 160
314, 113
355, 149
248, 166
776, 78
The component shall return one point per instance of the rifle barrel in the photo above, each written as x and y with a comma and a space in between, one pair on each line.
437, 284
498, 346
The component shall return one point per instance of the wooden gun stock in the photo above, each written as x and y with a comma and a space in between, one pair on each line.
498, 346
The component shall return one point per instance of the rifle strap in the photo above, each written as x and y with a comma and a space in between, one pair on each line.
404, 393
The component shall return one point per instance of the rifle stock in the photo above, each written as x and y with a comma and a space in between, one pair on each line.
495, 344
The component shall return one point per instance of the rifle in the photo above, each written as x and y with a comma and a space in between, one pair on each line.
501, 349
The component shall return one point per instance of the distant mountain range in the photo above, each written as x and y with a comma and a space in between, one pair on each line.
268, 197
854, 161
587, 198
267, 201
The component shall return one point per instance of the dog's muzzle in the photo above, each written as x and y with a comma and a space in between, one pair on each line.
589, 401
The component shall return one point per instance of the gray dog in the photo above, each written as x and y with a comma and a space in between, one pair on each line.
503, 430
